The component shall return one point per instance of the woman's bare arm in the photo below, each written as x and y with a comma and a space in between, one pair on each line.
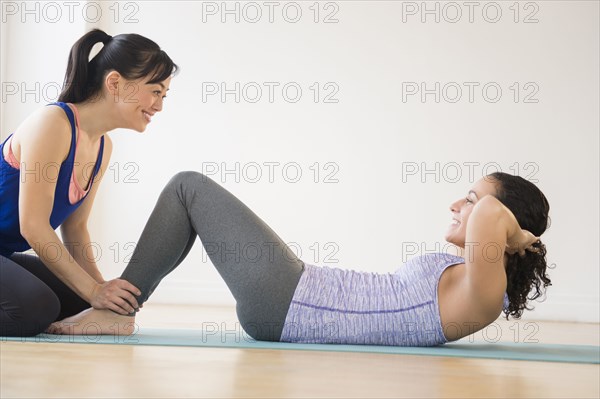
45, 141
74, 229
488, 229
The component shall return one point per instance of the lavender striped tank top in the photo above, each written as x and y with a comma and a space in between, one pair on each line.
332, 305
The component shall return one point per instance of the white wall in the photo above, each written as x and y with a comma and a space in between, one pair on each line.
375, 213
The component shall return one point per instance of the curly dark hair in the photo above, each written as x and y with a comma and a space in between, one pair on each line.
531, 208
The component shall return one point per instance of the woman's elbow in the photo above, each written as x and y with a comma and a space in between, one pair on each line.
32, 231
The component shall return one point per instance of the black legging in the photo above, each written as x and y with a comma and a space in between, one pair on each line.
32, 297
258, 267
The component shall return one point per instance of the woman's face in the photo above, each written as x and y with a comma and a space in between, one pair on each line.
462, 208
139, 100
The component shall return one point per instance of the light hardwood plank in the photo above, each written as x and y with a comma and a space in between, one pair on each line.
85, 370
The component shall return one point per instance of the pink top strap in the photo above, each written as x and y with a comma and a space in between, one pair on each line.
76, 193
10, 159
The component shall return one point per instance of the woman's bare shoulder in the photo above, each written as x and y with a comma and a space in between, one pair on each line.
46, 127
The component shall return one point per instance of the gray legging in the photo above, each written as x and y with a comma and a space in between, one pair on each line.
258, 267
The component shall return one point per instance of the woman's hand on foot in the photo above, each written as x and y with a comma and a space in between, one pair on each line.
116, 295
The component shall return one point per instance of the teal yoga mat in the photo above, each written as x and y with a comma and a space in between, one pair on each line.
233, 339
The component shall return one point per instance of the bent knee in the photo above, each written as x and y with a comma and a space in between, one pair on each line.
30, 317
187, 176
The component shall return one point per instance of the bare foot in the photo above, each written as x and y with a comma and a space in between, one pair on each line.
94, 322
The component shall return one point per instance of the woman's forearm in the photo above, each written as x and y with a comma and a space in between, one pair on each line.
79, 245
504, 222
509, 222
57, 258
485, 227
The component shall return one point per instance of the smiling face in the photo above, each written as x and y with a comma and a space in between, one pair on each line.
462, 208
138, 100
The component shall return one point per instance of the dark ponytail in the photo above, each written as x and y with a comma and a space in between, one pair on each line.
130, 54
531, 209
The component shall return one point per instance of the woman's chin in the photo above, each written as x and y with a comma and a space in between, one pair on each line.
452, 240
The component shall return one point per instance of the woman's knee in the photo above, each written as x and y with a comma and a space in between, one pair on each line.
188, 177
29, 314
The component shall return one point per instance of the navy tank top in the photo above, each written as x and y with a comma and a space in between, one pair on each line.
11, 239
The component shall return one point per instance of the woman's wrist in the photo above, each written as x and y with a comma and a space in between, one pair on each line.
99, 279
94, 291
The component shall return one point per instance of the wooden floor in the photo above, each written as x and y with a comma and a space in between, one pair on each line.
111, 371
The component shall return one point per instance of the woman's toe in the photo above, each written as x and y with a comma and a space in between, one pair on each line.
51, 329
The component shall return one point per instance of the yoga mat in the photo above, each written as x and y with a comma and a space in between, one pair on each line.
235, 339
